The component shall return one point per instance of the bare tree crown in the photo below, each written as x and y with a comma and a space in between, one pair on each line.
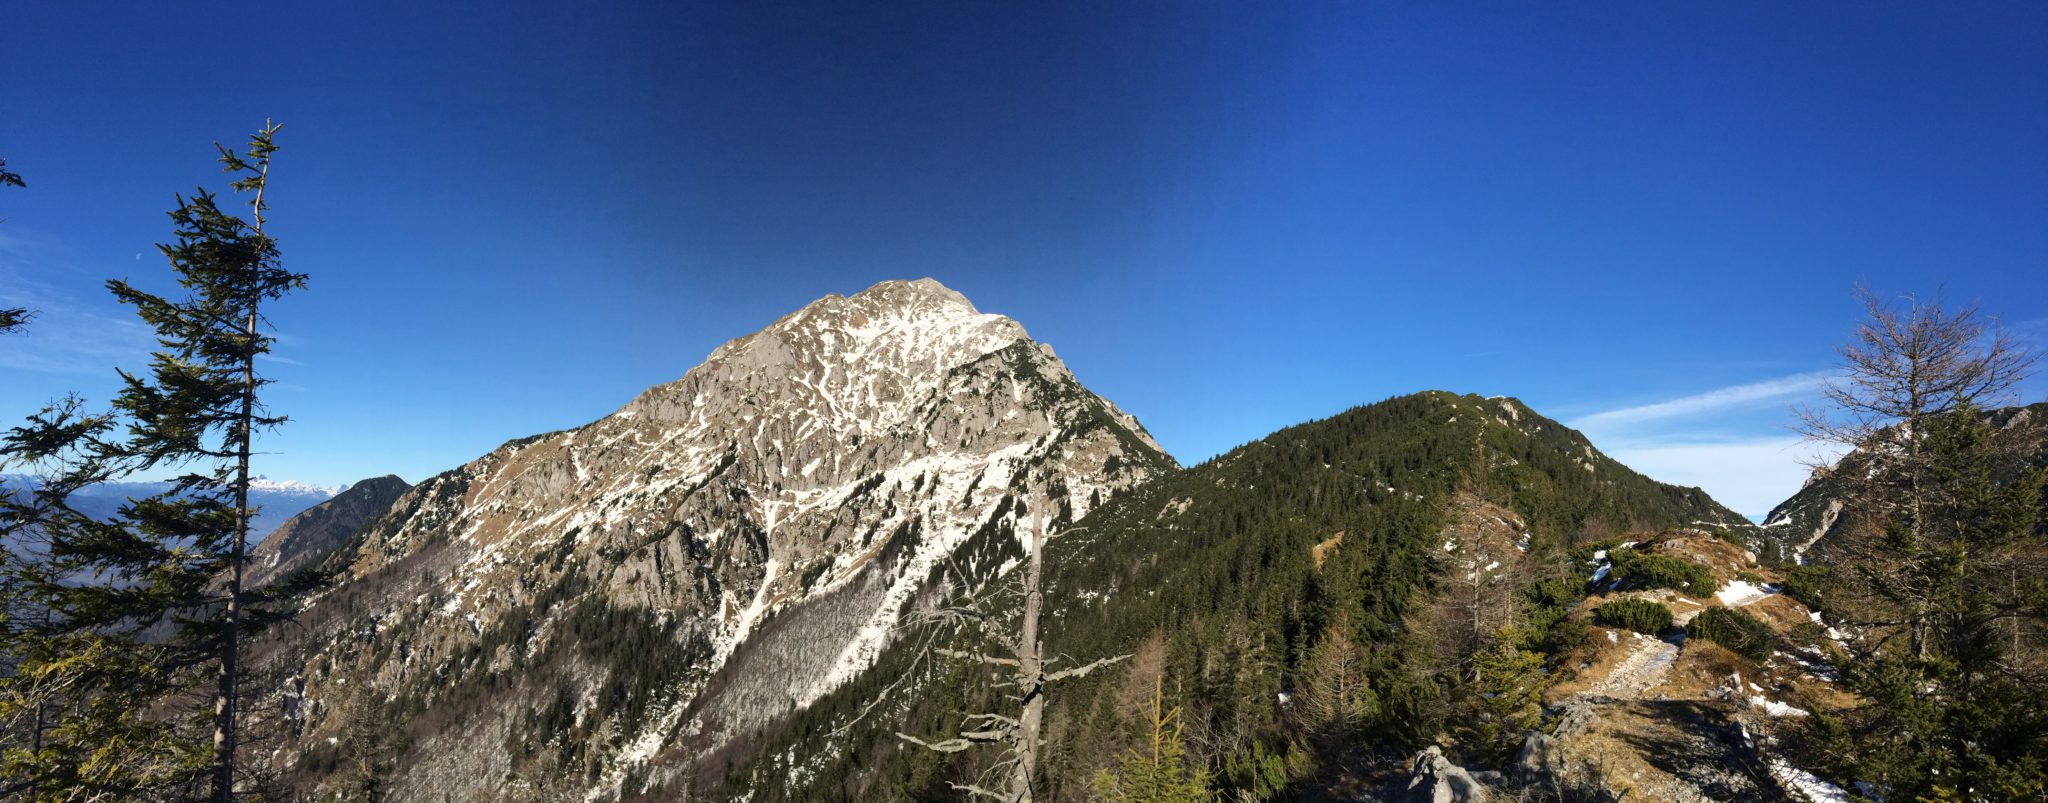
1912, 358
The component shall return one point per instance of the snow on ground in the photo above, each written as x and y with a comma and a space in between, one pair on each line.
1775, 708
1738, 593
1805, 784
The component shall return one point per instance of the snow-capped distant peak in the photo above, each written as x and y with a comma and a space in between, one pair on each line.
263, 483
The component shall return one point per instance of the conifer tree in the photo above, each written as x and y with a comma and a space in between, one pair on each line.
1938, 569
1910, 362
1502, 702
1953, 710
141, 610
1156, 771
1334, 697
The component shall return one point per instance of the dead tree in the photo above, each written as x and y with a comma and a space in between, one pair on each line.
1026, 676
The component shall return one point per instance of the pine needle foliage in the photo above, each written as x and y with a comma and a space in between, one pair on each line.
1634, 569
130, 620
1735, 629
1156, 771
1639, 615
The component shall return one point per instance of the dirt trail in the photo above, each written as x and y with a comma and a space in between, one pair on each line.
1643, 668
1607, 721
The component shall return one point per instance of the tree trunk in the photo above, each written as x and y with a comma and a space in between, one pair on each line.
230, 646
1031, 666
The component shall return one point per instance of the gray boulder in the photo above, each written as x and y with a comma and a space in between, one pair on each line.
1436, 780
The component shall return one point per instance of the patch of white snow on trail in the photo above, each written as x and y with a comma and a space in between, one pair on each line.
1738, 593
1775, 708
1805, 784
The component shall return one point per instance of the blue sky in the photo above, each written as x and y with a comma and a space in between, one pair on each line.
1226, 217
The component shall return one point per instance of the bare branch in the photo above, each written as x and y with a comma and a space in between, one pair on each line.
976, 791
969, 656
1083, 670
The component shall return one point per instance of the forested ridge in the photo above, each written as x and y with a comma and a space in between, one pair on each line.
1209, 578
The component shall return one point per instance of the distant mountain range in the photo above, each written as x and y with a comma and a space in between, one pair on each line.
277, 500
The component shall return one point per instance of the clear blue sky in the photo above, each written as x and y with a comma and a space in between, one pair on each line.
1226, 217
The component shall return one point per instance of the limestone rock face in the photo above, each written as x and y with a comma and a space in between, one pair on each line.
582, 609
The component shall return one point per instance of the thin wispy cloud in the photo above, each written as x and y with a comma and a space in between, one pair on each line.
1751, 476
1712, 401
1729, 440
66, 336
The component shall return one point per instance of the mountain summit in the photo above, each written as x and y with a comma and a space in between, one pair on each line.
719, 553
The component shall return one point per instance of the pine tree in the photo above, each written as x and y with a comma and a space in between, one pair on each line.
1502, 702
1952, 702
1157, 771
140, 610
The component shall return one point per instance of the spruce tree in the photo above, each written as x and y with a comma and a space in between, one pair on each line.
1156, 771
140, 611
1953, 709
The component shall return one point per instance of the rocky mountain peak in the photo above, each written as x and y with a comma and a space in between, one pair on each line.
762, 523
862, 354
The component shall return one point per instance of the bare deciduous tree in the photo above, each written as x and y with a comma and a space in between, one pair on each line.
1027, 672
1909, 361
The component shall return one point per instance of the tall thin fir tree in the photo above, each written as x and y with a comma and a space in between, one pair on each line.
144, 609
200, 404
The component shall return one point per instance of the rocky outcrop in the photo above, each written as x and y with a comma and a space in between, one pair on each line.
1434, 779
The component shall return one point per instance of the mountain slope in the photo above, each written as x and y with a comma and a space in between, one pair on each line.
716, 555
307, 538
1805, 521
1223, 578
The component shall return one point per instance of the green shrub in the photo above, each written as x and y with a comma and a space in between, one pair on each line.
1640, 615
1734, 629
1808, 584
1633, 569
